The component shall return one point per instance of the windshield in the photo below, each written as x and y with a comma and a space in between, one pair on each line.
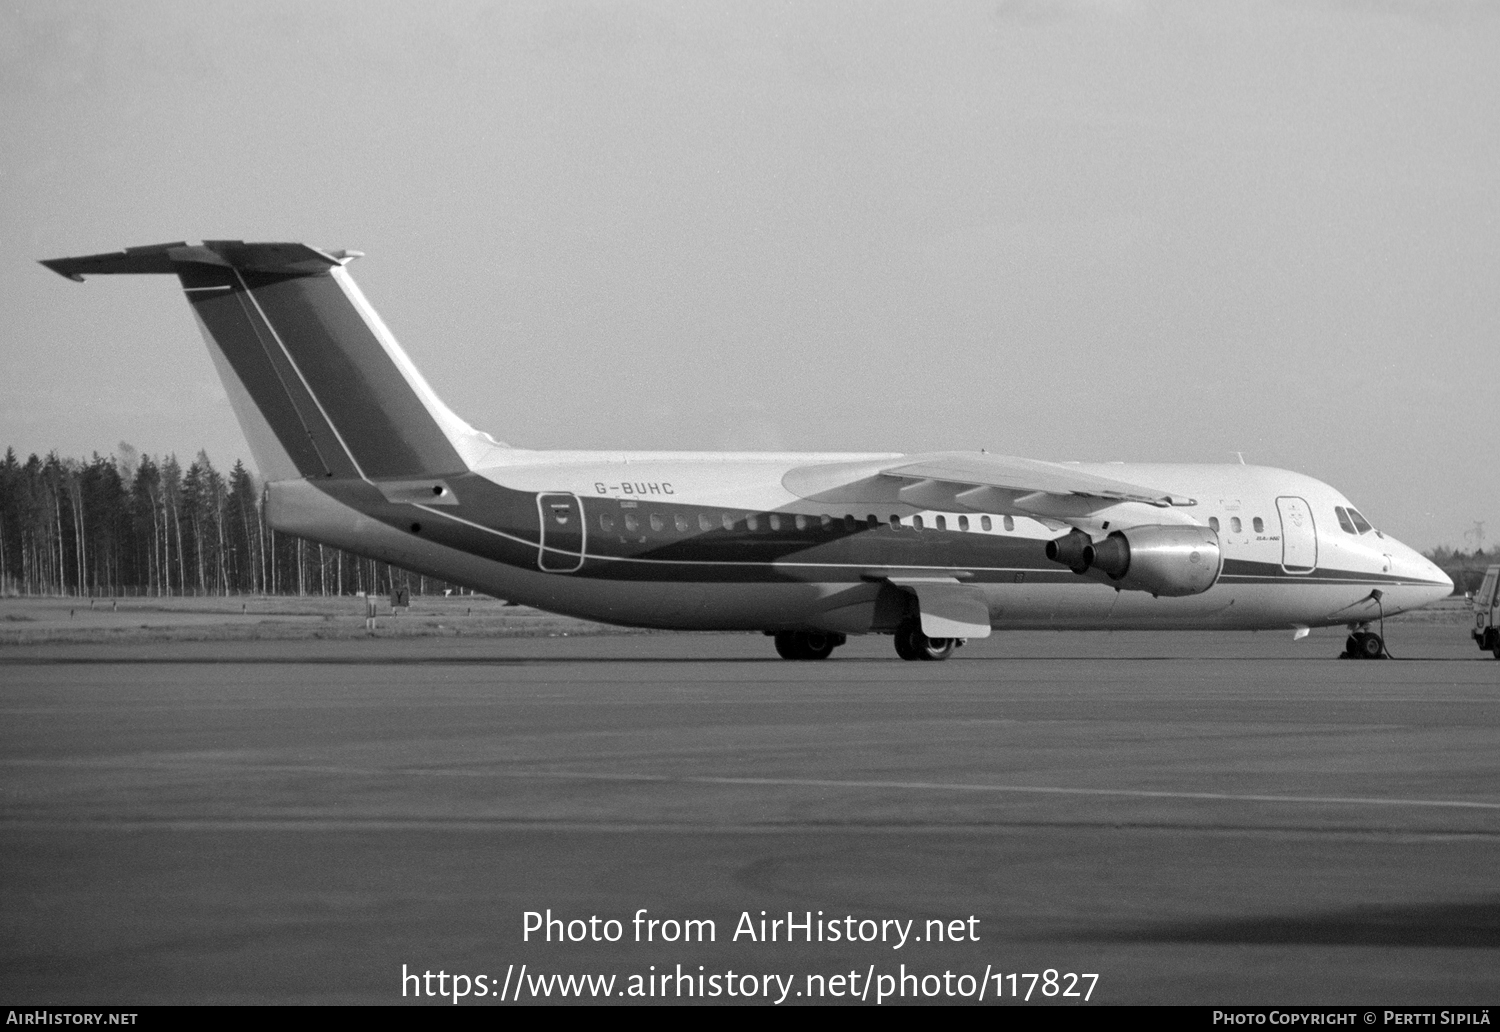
1487, 589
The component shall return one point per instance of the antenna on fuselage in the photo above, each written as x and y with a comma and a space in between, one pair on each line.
1242, 457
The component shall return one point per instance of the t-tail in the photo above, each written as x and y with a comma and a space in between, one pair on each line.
320, 386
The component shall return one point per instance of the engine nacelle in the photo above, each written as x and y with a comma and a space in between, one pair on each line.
1167, 560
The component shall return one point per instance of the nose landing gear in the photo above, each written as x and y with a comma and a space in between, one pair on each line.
1364, 645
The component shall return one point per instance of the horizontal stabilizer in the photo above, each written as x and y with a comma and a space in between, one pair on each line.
153, 258
287, 259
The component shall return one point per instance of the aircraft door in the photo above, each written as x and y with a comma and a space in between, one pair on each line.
1299, 537
563, 534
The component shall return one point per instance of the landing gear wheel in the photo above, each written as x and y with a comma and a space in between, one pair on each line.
904, 647
1371, 646
937, 649
806, 644
787, 645
911, 643
1364, 645
816, 645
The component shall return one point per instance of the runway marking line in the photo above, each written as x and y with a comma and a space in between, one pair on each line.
911, 786
938, 786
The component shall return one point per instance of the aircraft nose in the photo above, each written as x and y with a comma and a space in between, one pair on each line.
1438, 575
1414, 566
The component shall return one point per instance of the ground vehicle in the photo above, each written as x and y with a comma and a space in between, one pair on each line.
1487, 612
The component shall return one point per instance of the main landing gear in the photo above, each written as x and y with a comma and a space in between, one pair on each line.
807, 644
1364, 645
911, 643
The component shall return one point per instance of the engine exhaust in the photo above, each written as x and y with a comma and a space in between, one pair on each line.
1075, 550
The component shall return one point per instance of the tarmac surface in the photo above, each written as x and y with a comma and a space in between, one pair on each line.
1193, 818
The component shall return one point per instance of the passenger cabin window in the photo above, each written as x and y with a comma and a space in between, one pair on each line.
916, 523
963, 523
985, 524
775, 521
1010, 524
705, 522
752, 522
1344, 520
632, 524
1360, 523
606, 521
682, 524
1234, 524
656, 522
895, 522
942, 523
726, 521
825, 522
850, 523
1259, 525
1213, 524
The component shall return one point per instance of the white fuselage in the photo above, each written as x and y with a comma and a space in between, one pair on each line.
667, 573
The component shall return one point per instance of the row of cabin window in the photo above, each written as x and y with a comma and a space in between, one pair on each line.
1235, 527
1349, 519
753, 522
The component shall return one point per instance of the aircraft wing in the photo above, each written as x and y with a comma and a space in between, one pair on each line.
1009, 473
979, 481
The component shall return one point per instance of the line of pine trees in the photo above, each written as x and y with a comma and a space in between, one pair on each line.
131, 524
1465, 568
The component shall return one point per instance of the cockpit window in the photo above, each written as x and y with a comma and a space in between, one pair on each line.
1360, 523
1344, 520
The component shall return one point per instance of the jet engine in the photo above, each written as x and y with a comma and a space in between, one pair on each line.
1075, 550
1167, 560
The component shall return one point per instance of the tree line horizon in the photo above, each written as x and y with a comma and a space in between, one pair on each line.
129, 524
133, 524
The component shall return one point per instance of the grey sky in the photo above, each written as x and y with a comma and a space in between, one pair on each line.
1096, 231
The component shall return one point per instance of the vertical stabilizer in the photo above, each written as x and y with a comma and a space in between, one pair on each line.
319, 384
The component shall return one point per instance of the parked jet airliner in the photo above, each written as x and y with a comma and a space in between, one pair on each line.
358, 452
